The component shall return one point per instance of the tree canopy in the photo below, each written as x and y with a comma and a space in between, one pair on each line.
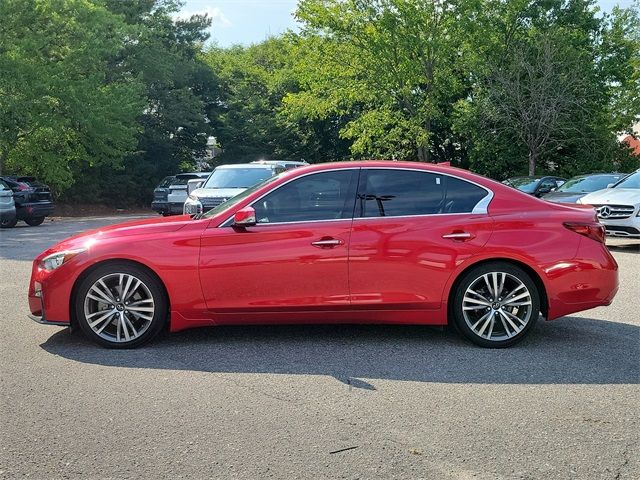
103, 98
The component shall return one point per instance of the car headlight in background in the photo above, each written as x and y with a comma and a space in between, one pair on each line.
53, 261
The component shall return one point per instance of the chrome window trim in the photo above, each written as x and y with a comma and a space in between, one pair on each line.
481, 208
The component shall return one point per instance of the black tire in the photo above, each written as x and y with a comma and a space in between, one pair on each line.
34, 221
501, 315
8, 222
153, 287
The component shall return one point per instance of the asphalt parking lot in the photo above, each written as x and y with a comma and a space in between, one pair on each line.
317, 401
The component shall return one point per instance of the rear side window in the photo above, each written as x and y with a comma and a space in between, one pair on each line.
389, 193
409, 192
462, 196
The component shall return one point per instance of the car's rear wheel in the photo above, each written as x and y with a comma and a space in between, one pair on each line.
496, 304
120, 305
34, 221
8, 222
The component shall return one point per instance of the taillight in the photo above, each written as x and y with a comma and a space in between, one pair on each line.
594, 231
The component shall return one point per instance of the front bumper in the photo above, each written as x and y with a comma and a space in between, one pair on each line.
167, 208
623, 228
37, 305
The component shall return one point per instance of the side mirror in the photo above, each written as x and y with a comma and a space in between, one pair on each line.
610, 185
193, 184
245, 217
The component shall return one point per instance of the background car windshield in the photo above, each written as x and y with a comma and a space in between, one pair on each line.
632, 181
524, 184
238, 198
237, 177
588, 184
166, 182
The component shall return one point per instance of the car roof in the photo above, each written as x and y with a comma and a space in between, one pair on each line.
244, 165
193, 175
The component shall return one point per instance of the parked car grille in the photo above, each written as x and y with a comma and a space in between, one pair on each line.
209, 202
614, 211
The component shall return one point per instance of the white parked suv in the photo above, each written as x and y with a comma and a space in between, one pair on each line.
225, 182
618, 207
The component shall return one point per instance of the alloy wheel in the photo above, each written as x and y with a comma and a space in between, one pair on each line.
497, 306
119, 307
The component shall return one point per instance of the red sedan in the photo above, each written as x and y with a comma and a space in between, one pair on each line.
356, 242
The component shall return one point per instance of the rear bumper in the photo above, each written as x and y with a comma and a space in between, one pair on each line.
31, 210
590, 280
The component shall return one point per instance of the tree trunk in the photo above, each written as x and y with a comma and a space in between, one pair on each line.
533, 158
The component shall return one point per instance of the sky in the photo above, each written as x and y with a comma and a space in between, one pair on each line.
251, 21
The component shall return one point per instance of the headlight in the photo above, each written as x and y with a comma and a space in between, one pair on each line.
53, 261
192, 206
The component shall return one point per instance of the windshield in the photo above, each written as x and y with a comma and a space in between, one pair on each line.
588, 184
632, 181
524, 184
237, 177
238, 198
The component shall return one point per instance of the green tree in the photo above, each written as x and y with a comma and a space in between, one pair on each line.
397, 66
59, 108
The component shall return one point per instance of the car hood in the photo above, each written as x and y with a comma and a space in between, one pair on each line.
127, 229
563, 197
217, 192
617, 196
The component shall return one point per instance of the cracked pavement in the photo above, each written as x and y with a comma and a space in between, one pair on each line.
317, 401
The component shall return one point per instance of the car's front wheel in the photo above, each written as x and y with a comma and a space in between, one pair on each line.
496, 304
120, 305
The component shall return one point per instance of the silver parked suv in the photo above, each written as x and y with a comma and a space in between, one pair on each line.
227, 181
618, 207
7, 206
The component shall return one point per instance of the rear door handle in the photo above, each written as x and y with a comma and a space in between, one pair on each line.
327, 243
458, 236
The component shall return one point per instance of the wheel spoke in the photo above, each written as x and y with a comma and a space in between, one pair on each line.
477, 302
124, 328
515, 317
504, 325
510, 301
101, 296
489, 321
484, 317
140, 302
104, 316
130, 324
125, 291
501, 287
133, 290
105, 324
140, 309
107, 290
516, 329
475, 307
491, 292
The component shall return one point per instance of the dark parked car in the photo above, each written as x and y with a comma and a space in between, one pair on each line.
535, 185
577, 187
169, 196
33, 200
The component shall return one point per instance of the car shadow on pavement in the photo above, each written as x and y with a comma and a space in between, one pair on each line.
566, 351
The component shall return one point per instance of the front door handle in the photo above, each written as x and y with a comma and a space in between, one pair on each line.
458, 236
327, 243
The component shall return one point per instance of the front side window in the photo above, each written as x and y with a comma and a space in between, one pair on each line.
389, 193
319, 196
